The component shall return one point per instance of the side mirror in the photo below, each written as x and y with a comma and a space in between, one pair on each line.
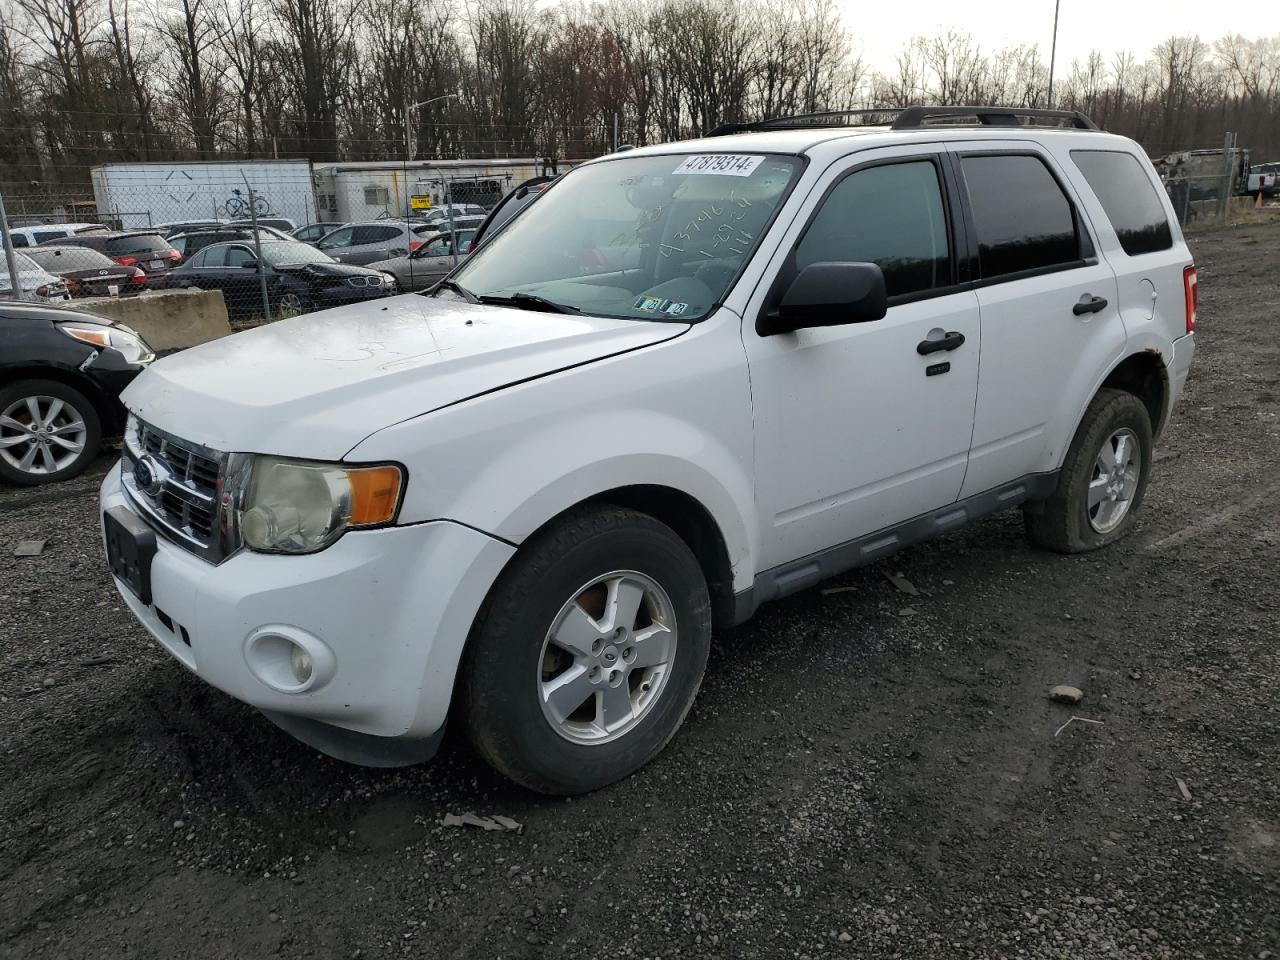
249, 265
829, 295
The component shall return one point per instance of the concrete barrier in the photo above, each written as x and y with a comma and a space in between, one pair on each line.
167, 319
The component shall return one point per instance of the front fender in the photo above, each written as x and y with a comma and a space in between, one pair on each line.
676, 414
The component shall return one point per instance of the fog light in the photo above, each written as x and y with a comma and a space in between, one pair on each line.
300, 664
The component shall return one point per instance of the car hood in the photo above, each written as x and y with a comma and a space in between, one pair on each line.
322, 269
316, 385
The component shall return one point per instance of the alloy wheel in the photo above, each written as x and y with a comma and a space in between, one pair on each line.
41, 435
1114, 481
607, 657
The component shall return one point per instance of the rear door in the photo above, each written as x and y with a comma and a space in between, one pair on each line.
1048, 304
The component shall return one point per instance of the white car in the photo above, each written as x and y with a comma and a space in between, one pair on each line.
44, 233
690, 379
38, 284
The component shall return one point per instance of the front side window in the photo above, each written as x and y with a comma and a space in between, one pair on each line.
642, 237
1023, 219
1128, 198
890, 215
201, 259
44, 236
339, 238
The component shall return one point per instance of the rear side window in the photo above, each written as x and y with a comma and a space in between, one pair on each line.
889, 215
43, 236
238, 256
141, 243
19, 240
1022, 218
1129, 199
364, 235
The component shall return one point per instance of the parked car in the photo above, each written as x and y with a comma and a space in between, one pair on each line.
61, 373
429, 263
314, 232
38, 284
144, 249
188, 243
88, 273
283, 224
299, 277
175, 227
534, 523
448, 210
1264, 178
374, 240
44, 233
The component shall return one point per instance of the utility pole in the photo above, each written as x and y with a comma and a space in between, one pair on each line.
11, 261
1053, 52
257, 248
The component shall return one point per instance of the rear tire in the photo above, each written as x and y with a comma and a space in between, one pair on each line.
609, 611
1103, 478
67, 437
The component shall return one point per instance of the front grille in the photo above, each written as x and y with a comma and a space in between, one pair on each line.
364, 281
177, 488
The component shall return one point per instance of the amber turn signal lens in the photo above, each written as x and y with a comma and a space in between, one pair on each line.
375, 494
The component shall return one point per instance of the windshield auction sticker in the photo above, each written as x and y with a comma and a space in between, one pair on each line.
725, 164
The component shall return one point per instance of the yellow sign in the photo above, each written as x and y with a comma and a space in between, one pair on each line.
418, 202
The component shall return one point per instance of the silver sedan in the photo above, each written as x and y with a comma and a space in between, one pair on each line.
428, 263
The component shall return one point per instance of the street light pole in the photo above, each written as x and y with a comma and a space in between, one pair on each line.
1053, 52
409, 150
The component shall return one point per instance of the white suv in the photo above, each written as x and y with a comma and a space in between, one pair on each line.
690, 379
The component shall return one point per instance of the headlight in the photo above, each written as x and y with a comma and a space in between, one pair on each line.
300, 506
129, 344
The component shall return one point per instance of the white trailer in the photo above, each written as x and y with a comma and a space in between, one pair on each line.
139, 195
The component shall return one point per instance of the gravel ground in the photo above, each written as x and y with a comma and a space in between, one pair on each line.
865, 774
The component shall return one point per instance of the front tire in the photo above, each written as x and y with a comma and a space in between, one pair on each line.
48, 432
588, 653
1103, 478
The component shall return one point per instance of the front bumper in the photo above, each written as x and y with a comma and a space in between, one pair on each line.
386, 613
340, 294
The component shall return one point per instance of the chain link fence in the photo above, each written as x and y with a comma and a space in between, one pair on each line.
275, 237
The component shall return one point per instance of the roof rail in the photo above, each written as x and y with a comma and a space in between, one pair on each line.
909, 118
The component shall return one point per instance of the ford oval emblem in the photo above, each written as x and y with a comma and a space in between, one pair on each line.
147, 476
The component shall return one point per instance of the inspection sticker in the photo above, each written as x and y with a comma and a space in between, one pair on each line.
725, 164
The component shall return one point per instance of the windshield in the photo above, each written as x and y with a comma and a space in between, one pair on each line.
654, 238
288, 252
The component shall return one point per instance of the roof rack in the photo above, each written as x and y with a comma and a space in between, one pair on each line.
911, 118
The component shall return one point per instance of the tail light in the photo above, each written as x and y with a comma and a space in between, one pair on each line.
414, 245
139, 278
1190, 289
43, 290
174, 255
125, 261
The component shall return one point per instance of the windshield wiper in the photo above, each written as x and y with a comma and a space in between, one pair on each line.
530, 301
459, 289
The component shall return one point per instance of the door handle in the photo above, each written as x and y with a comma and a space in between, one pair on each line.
952, 340
1089, 304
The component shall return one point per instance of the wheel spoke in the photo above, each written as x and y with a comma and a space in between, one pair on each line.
567, 692
73, 427
653, 647
29, 458
46, 458
614, 707
33, 410
1107, 458
51, 414
623, 603
1097, 491
576, 632
1124, 451
74, 446
12, 424
6, 442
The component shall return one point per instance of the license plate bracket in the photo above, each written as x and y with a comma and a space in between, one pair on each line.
131, 546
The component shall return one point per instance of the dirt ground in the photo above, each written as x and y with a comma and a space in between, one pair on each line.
865, 774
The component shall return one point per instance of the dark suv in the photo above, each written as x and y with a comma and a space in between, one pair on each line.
145, 249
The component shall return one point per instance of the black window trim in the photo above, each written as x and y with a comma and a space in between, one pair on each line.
1085, 245
1119, 242
960, 266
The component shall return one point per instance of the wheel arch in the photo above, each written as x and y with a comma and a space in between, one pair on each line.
1145, 375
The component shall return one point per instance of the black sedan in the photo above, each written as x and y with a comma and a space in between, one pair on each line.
89, 273
61, 373
298, 278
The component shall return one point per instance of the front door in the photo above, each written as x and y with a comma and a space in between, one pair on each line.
856, 428
1049, 305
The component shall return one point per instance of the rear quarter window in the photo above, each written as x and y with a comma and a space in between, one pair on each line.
1128, 198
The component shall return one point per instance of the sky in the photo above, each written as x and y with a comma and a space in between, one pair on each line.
1112, 26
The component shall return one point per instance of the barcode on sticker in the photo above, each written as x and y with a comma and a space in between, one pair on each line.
725, 164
